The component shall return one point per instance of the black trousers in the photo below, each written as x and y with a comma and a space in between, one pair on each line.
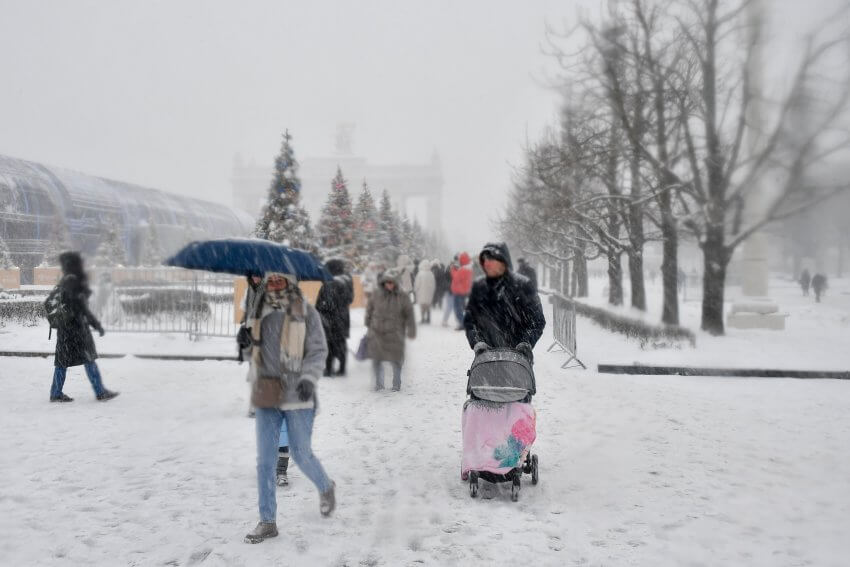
337, 349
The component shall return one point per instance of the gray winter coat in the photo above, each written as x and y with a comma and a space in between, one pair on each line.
315, 353
388, 315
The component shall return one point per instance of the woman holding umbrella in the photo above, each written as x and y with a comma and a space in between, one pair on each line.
287, 357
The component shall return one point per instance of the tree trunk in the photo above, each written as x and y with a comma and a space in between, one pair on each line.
615, 277
670, 273
565, 281
636, 279
581, 275
715, 263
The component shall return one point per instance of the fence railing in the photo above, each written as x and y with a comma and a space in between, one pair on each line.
564, 329
164, 300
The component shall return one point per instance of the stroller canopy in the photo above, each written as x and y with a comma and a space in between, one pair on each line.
501, 375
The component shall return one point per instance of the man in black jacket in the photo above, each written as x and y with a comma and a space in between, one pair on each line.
504, 309
332, 304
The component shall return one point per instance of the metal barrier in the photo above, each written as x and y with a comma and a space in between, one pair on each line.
164, 300
564, 329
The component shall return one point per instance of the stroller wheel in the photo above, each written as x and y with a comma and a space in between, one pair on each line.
473, 484
534, 473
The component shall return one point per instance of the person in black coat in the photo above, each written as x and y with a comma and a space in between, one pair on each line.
74, 341
332, 304
528, 271
503, 309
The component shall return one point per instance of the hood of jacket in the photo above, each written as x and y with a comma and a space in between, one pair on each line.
390, 275
464, 259
424, 265
499, 251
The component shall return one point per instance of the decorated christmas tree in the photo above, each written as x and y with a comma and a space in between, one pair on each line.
336, 224
366, 225
283, 218
387, 238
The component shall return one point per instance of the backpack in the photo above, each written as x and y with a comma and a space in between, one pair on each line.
56, 309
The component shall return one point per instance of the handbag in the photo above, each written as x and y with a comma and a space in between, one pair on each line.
362, 349
267, 392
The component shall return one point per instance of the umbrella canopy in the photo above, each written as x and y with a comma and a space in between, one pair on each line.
242, 256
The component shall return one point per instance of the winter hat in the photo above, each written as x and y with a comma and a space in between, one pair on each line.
390, 275
71, 262
336, 266
496, 251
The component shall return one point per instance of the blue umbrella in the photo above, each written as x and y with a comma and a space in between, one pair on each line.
243, 256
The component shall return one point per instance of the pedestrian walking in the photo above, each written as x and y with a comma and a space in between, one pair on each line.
819, 286
405, 275
461, 286
504, 309
370, 280
528, 271
439, 271
423, 289
448, 298
68, 310
333, 303
243, 338
805, 281
287, 356
389, 317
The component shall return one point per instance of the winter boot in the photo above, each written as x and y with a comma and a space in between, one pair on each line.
107, 395
282, 465
327, 501
264, 530
62, 398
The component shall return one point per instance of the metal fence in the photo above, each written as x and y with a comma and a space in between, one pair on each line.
164, 300
564, 329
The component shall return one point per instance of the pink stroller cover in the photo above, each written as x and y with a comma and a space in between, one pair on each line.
496, 436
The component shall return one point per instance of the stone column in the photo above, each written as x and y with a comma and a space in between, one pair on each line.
755, 310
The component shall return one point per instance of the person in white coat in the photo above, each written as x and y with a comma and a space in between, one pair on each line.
423, 288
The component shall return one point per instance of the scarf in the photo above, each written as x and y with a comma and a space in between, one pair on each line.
294, 331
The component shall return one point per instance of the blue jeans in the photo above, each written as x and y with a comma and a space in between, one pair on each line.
284, 435
92, 372
300, 426
460, 303
378, 367
448, 306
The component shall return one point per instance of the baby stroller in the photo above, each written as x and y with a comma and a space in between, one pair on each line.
499, 422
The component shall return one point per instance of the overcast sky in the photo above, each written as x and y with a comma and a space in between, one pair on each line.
165, 93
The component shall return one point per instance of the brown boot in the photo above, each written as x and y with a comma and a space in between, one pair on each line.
264, 530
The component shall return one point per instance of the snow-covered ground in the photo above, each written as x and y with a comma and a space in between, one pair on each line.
633, 470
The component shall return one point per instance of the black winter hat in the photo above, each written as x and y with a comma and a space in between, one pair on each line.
336, 267
71, 263
498, 251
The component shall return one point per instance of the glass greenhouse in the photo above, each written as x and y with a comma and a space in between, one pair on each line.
37, 202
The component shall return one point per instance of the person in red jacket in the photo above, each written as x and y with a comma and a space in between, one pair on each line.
461, 286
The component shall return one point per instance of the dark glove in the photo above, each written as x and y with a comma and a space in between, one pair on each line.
243, 337
304, 389
100, 331
525, 349
480, 347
